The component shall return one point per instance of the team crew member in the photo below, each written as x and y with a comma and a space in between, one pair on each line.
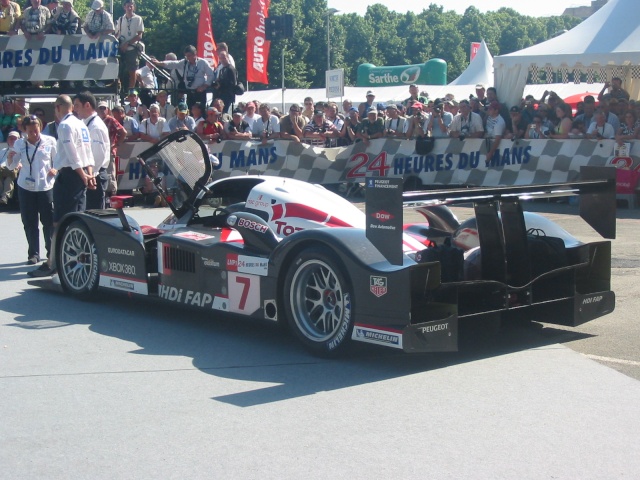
84, 105
74, 164
34, 154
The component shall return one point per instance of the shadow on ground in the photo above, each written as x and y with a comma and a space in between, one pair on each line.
236, 348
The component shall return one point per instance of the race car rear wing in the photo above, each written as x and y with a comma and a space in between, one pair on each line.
596, 188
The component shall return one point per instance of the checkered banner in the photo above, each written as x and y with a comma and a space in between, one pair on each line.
451, 162
58, 57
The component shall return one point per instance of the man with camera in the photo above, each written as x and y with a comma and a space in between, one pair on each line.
439, 121
196, 75
600, 128
395, 125
416, 124
466, 124
129, 30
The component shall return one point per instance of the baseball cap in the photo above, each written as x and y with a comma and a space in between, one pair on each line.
372, 110
183, 107
318, 112
103, 104
353, 109
133, 91
381, 106
13, 133
392, 106
417, 105
413, 85
97, 4
237, 111
370, 93
515, 109
480, 86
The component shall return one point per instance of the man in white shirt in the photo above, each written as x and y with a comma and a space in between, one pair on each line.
73, 162
600, 128
250, 115
84, 105
466, 124
129, 30
495, 128
154, 127
266, 126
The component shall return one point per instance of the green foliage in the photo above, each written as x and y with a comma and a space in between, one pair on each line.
381, 37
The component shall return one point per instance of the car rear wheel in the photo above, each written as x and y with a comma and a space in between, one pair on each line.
78, 260
318, 301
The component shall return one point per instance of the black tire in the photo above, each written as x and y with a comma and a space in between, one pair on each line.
77, 260
318, 302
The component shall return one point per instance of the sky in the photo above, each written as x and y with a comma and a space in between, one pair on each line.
534, 8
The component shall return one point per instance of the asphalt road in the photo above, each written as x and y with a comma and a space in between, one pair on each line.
122, 388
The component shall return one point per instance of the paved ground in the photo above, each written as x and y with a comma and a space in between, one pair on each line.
118, 388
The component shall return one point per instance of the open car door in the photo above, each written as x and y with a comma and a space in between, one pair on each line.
179, 166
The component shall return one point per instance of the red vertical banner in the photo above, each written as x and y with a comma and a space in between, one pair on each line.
206, 44
257, 44
475, 46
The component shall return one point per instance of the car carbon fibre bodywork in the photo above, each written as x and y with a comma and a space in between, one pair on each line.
286, 251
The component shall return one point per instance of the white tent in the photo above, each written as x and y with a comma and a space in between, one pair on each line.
480, 69
605, 45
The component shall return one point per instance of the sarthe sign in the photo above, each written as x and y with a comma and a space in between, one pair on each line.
58, 57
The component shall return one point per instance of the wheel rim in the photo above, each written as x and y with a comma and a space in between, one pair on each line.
318, 301
77, 258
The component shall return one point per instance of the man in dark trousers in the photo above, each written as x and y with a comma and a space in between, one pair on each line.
225, 85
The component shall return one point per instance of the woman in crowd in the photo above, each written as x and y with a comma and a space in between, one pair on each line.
562, 128
537, 129
629, 128
211, 129
34, 155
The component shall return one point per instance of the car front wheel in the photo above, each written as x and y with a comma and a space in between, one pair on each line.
78, 260
318, 301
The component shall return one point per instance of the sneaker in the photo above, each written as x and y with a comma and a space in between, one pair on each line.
43, 270
33, 259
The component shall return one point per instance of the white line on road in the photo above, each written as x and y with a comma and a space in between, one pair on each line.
612, 360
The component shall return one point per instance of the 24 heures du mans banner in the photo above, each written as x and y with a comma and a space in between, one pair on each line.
451, 162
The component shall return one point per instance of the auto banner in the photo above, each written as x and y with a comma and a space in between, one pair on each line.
451, 162
58, 57
257, 44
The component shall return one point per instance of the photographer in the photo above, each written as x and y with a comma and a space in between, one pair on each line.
600, 128
439, 121
350, 128
416, 125
537, 129
466, 124
129, 30
196, 75
394, 125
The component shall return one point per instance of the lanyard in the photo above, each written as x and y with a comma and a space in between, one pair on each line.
30, 160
